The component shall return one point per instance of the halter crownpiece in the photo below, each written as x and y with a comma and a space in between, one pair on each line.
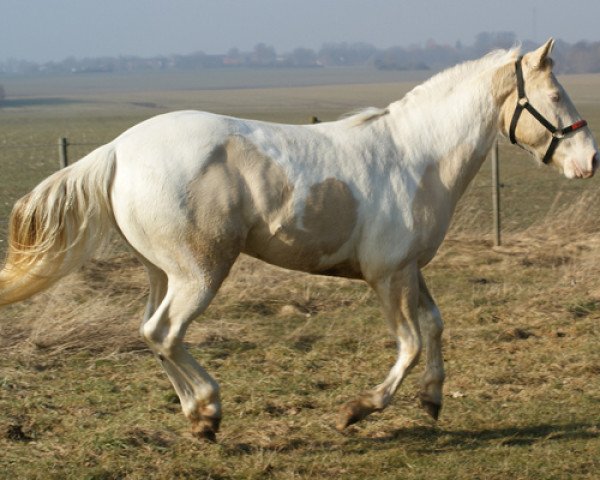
523, 103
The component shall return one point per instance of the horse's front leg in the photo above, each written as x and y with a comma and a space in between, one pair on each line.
399, 294
432, 327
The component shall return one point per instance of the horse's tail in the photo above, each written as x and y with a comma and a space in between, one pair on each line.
57, 226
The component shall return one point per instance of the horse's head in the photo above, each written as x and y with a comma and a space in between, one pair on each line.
540, 117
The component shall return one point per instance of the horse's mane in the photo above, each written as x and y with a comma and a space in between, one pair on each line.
447, 79
365, 115
440, 83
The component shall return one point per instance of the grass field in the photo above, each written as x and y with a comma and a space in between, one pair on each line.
81, 397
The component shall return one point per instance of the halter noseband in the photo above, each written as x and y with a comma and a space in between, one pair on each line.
523, 103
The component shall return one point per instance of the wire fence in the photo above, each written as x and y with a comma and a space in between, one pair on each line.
4, 146
513, 182
62, 150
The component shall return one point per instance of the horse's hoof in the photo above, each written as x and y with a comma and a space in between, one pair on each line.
206, 429
353, 412
349, 414
205, 435
433, 409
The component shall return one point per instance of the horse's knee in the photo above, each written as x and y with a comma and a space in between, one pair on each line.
150, 335
164, 345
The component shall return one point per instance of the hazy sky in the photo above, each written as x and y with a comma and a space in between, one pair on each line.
42, 30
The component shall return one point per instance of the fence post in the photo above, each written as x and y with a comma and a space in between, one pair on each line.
63, 159
496, 193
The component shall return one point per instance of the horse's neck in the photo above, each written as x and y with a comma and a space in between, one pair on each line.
456, 132
467, 147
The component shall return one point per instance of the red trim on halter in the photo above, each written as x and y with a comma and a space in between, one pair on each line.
579, 124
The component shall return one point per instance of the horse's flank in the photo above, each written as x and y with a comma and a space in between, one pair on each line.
253, 198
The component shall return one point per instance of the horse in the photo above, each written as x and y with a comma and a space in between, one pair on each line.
367, 197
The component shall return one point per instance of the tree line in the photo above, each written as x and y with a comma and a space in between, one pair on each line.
580, 57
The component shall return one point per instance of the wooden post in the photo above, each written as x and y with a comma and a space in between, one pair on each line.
496, 193
63, 159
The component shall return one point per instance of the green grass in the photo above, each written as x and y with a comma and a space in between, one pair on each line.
514, 406
81, 397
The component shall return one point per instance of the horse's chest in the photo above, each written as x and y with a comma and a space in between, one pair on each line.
407, 222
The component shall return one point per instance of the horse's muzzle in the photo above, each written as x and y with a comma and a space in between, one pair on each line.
594, 164
585, 170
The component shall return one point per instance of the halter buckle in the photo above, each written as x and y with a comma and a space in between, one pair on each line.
558, 134
523, 101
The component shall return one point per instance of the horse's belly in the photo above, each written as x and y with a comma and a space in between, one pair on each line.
310, 229
327, 252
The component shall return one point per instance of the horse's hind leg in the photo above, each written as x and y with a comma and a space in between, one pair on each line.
186, 298
399, 294
193, 276
432, 327
158, 288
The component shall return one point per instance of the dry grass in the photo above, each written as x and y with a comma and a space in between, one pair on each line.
99, 307
81, 397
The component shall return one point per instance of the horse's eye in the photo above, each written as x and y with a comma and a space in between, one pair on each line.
555, 97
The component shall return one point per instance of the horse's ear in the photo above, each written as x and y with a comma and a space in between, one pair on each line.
540, 58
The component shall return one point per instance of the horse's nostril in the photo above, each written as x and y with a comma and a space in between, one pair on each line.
594, 162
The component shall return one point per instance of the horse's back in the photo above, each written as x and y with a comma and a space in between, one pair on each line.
186, 159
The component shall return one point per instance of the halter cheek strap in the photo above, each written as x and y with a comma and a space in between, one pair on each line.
523, 104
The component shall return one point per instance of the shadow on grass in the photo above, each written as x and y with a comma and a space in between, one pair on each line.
431, 440
434, 440
38, 102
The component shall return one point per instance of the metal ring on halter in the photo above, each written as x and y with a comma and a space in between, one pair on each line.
523, 104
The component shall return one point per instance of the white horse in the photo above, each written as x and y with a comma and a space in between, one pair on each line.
367, 197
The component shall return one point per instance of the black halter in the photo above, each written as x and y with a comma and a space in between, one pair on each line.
523, 103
